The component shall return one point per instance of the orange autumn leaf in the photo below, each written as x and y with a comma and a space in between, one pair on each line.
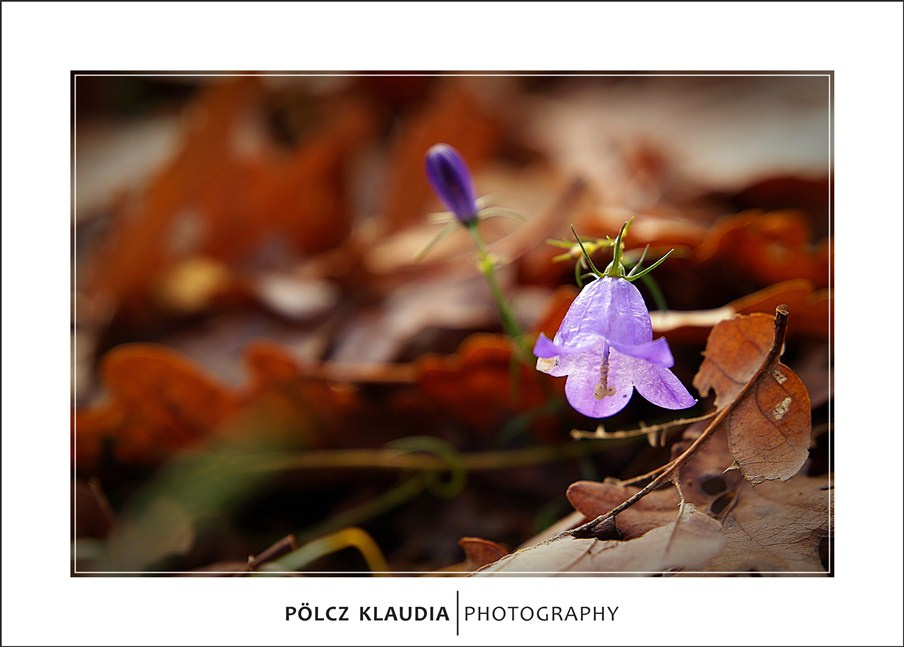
812, 308
159, 402
476, 384
769, 247
228, 190
269, 364
289, 405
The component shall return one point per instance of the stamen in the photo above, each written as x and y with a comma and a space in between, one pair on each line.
603, 389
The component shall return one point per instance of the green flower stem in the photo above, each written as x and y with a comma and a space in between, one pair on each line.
487, 268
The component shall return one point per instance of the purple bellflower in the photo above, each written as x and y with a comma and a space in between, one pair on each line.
605, 346
451, 179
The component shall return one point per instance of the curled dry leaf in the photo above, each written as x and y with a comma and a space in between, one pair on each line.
707, 480
687, 542
768, 418
776, 527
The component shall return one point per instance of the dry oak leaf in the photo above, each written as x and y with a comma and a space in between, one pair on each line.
768, 421
689, 541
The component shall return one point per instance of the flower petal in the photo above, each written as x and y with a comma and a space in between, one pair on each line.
656, 352
607, 307
584, 377
558, 361
580, 324
546, 348
660, 386
629, 320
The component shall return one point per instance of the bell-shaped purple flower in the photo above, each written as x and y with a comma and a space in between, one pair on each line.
605, 346
451, 179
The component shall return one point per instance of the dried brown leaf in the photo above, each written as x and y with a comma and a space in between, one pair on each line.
777, 526
593, 499
480, 552
706, 480
687, 542
768, 418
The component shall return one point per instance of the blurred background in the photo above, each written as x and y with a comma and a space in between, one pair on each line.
264, 378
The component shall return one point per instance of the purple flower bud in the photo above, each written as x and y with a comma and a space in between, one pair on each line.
605, 346
451, 179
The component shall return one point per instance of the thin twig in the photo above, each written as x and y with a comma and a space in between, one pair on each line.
277, 550
588, 529
602, 434
642, 477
